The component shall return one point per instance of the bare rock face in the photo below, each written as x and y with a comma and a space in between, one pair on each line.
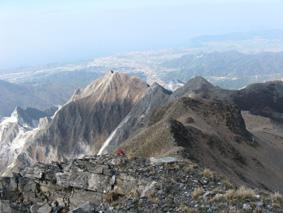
117, 184
82, 125
16, 130
138, 117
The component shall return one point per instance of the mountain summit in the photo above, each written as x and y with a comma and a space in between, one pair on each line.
112, 87
82, 125
197, 87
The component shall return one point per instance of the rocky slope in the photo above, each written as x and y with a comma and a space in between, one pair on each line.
138, 117
117, 184
204, 123
16, 130
82, 125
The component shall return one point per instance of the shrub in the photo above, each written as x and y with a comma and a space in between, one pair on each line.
242, 193
208, 174
277, 200
197, 193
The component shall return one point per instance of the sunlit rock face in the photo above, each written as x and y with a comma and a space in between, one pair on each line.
17, 130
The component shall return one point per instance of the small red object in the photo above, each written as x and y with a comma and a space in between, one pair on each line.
120, 152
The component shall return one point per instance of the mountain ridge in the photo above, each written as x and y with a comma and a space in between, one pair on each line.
82, 125
118, 111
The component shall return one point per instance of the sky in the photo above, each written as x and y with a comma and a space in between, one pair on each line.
38, 32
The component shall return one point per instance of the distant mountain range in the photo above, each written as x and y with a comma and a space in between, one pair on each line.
228, 69
13, 95
253, 41
44, 87
231, 69
216, 128
40, 90
232, 63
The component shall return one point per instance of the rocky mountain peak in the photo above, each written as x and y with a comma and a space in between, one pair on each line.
198, 83
112, 86
140, 114
156, 88
196, 87
82, 125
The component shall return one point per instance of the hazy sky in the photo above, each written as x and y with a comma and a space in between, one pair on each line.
34, 32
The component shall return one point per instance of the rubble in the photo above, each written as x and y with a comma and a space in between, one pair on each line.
116, 184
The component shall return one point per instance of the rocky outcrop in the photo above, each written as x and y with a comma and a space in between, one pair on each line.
117, 184
16, 130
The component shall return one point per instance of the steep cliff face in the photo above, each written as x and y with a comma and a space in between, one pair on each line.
81, 126
139, 116
17, 130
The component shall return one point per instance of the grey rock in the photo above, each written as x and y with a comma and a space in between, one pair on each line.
79, 197
54, 204
137, 186
77, 180
247, 206
99, 183
259, 204
149, 189
45, 209
154, 160
5, 206
85, 208
84, 180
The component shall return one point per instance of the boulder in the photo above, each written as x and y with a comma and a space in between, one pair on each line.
85, 208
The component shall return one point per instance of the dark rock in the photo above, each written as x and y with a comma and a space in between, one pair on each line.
85, 208
133, 186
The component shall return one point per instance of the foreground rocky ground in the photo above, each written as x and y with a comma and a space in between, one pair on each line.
118, 184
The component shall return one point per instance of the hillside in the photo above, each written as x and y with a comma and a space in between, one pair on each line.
13, 95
